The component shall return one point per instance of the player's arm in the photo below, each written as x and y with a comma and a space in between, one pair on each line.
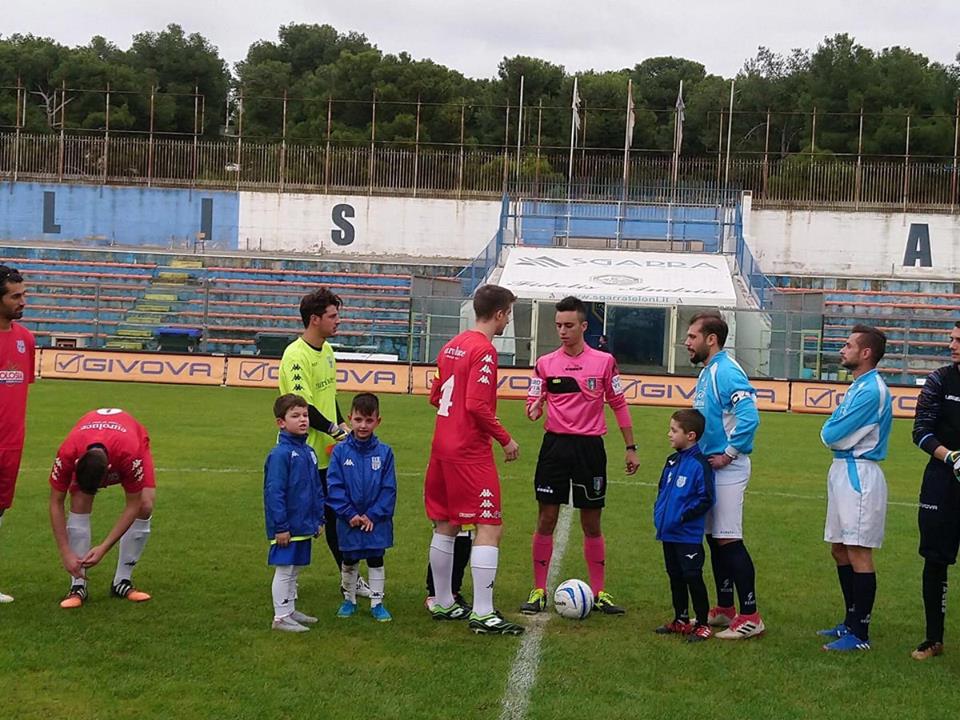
386, 502
536, 397
929, 406
742, 398
276, 472
58, 523
613, 391
706, 496
851, 422
481, 398
130, 511
435, 390
338, 498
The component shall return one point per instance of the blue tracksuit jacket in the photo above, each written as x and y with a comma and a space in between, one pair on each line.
362, 480
292, 494
685, 495
729, 403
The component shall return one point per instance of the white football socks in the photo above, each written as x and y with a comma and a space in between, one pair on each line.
348, 579
283, 588
483, 566
78, 535
378, 580
132, 543
441, 562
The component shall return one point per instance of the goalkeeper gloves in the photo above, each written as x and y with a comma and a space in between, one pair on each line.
952, 459
337, 432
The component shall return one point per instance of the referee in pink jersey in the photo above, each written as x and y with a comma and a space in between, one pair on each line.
575, 381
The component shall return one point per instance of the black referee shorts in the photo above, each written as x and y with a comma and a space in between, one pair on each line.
577, 460
939, 514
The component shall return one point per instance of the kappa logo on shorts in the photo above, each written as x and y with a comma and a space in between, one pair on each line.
486, 504
486, 493
487, 515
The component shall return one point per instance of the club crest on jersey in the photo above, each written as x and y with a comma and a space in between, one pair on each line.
681, 481
375, 462
21, 347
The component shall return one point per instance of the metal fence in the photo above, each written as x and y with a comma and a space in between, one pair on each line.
800, 180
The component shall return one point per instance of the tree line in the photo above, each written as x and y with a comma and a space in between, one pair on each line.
314, 83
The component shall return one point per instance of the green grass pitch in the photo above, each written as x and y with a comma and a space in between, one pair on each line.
202, 648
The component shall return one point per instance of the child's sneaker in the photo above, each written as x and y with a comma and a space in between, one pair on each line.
380, 613
847, 643
347, 609
4, 598
288, 624
927, 649
699, 633
303, 618
676, 627
837, 631
721, 616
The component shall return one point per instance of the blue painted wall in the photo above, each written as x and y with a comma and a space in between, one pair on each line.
119, 215
542, 221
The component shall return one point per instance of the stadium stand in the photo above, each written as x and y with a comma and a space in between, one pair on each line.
142, 301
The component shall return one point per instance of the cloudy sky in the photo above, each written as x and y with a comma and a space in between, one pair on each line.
472, 36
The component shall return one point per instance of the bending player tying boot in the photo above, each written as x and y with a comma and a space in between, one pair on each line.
106, 447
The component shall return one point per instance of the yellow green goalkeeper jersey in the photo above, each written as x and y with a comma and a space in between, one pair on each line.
312, 374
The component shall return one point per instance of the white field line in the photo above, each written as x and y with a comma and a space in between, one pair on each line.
523, 672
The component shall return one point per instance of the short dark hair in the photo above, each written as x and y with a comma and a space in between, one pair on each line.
712, 323
8, 275
573, 304
690, 420
488, 300
365, 404
282, 405
873, 339
317, 302
91, 469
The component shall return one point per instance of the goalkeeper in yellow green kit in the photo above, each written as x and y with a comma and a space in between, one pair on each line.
308, 369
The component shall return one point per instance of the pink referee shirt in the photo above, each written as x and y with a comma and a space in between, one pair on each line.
575, 388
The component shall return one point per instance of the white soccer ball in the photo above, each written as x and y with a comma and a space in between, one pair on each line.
573, 599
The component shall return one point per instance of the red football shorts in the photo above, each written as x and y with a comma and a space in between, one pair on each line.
462, 493
9, 467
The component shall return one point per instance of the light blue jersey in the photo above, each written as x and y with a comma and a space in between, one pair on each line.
729, 403
860, 427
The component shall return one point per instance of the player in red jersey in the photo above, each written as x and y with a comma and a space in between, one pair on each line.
106, 447
575, 382
462, 486
17, 357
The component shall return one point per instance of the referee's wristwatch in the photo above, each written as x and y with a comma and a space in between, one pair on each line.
632, 447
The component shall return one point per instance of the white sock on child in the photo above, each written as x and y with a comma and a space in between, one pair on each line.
284, 587
378, 578
348, 578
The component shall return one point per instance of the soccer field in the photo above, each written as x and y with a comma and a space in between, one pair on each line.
202, 648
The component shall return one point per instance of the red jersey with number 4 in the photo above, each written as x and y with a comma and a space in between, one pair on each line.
127, 445
17, 357
464, 391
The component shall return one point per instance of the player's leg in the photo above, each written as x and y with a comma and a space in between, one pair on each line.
462, 547
678, 593
863, 510
551, 482
349, 571
283, 590
377, 574
9, 468
728, 533
79, 538
937, 517
131, 546
437, 486
542, 552
839, 494
691, 562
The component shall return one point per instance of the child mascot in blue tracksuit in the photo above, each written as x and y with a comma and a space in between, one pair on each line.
685, 495
293, 506
362, 490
